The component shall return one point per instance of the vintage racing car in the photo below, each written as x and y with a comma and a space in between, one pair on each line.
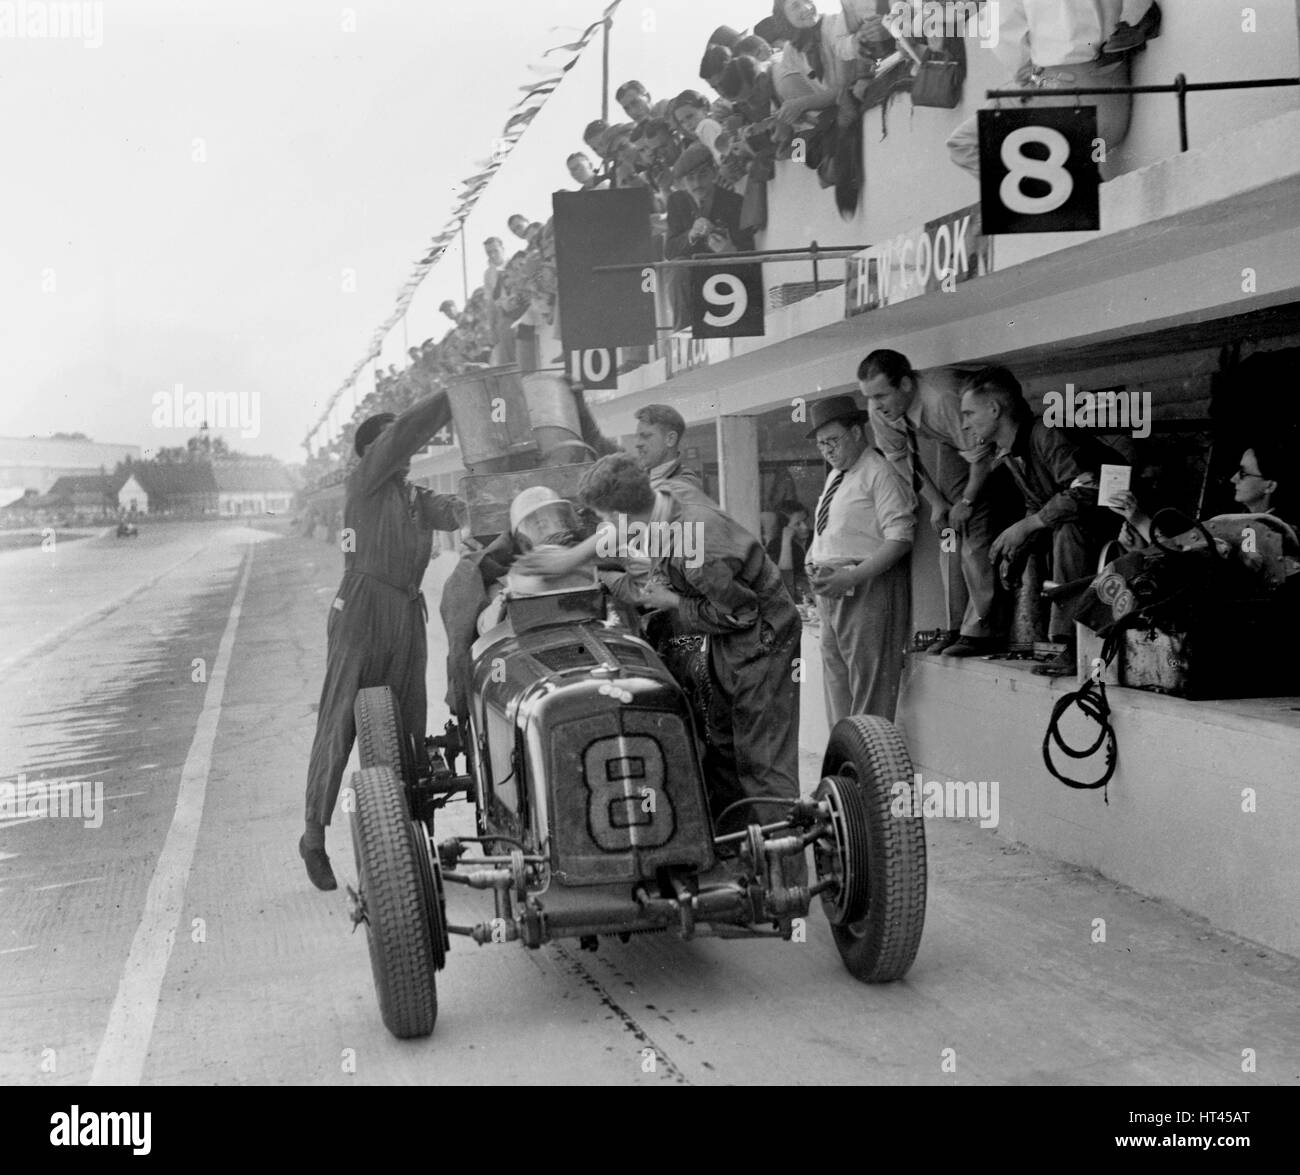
583, 763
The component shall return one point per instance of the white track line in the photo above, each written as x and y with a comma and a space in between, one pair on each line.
45, 644
65, 884
125, 1046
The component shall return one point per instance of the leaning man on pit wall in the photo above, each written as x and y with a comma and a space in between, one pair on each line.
906, 405
376, 626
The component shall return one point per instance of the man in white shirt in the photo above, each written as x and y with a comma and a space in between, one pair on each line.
904, 406
1058, 44
863, 527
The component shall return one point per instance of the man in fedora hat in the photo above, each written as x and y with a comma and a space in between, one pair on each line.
376, 627
857, 563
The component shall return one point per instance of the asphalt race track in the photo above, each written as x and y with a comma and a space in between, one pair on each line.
180, 941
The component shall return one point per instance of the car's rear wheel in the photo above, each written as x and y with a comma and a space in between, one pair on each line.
381, 741
876, 852
402, 924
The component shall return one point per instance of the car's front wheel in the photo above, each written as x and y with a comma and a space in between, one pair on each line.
405, 926
381, 741
876, 850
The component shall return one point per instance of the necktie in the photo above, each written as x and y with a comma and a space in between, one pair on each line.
914, 456
824, 510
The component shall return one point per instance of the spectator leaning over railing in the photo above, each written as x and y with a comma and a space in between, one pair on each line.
658, 150
1062, 44
712, 64
752, 132
906, 405
637, 104
825, 55
691, 113
584, 175
752, 46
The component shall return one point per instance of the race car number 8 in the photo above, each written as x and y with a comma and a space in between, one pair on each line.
725, 290
1050, 171
627, 803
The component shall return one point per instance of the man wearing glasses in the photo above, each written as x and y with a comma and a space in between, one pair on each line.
863, 528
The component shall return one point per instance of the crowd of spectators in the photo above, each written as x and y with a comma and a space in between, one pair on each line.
495, 327
793, 89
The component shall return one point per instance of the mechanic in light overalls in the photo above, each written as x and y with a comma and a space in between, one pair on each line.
376, 626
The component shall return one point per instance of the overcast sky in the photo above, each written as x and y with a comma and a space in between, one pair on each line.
180, 203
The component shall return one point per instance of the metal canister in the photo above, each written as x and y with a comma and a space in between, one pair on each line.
493, 424
554, 414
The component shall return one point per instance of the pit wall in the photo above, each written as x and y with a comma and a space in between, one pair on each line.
1174, 822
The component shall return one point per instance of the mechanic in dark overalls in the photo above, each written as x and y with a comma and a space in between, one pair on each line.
728, 589
376, 626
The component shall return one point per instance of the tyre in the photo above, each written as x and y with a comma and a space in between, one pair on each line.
381, 741
394, 894
877, 913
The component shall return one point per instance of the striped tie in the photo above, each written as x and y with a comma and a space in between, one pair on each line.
824, 510
914, 454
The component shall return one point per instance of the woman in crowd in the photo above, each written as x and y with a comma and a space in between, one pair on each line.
691, 113
822, 57
787, 547
1257, 489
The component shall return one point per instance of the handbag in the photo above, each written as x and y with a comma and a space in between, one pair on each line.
939, 79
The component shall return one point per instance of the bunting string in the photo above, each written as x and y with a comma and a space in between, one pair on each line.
471, 189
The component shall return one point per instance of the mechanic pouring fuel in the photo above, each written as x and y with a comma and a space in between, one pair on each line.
376, 626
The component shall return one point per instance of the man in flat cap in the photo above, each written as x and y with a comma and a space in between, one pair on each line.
702, 219
858, 565
376, 627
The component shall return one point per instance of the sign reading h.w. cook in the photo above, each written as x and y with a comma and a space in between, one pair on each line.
926, 260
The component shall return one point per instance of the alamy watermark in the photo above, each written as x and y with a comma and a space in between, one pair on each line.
919, 19
952, 798
1108, 410
74, 800
78, 1127
38, 20
656, 539
215, 410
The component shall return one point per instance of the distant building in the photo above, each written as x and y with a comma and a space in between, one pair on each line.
235, 486
184, 488
36, 463
132, 496
253, 486
93, 493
